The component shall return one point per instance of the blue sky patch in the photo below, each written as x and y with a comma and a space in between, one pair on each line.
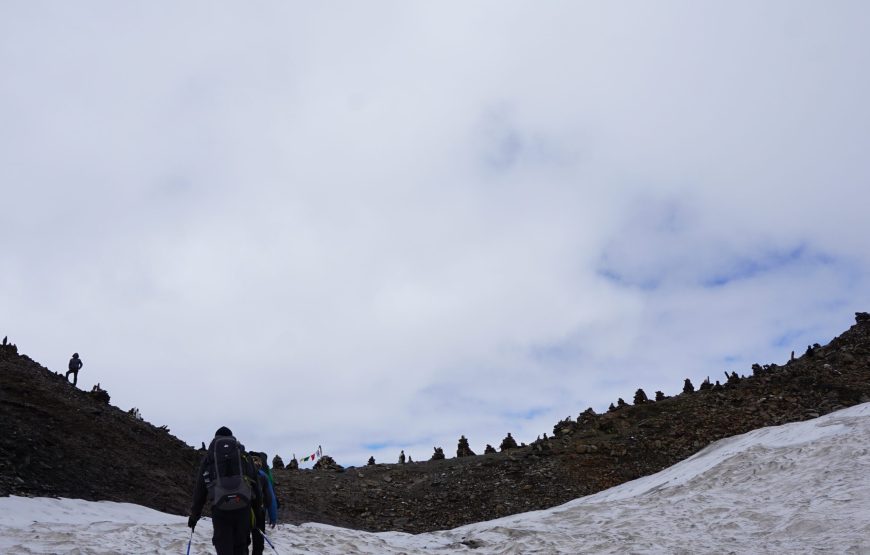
622, 280
529, 414
743, 268
787, 339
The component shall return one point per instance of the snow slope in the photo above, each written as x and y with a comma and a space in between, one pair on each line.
798, 488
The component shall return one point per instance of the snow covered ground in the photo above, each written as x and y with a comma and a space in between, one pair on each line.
798, 488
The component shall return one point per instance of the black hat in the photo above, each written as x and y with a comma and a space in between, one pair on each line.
223, 431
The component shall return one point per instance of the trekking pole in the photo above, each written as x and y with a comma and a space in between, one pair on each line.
190, 540
265, 537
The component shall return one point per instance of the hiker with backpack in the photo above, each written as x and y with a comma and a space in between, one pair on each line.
269, 505
264, 458
227, 479
75, 364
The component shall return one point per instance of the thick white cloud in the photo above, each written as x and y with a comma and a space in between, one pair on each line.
380, 226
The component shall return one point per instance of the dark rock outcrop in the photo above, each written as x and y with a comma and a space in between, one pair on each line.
63, 442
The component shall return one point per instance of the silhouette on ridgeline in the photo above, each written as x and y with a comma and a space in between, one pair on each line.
688, 387
463, 450
640, 397
75, 364
508, 443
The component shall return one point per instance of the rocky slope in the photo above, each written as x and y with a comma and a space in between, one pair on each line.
585, 455
60, 441
58, 433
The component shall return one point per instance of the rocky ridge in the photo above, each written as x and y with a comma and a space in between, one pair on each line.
58, 432
64, 442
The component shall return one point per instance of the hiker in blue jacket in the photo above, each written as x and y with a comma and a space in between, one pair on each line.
269, 505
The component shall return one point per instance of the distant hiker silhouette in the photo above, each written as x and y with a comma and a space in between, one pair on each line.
227, 478
75, 364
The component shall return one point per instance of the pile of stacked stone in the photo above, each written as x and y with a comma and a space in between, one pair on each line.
278, 462
488, 449
327, 463
564, 427
541, 445
438, 455
587, 417
508, 443
100, 394
640, 397
463, 450
688, 387
8, 348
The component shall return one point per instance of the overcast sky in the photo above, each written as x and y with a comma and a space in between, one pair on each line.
376, 226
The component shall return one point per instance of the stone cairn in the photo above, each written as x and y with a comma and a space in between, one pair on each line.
8, 348
688, 387
327, 463
508, 443
402, 457
564, 427
640, 397
371, 461
586, 417
438, 455
541, 445
278, 462
463, 450
293, 464
100, 394
488, 449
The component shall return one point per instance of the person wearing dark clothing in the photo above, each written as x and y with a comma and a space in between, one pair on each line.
232, 526
269, 505
75, 364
